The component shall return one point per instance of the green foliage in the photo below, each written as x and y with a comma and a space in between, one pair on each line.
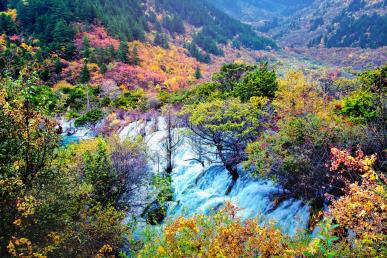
237, 80
130, 100
135, 59
261, 82
195, 52
208, 44
174, 24
366, 104
367, 31
359, 107
42, 98
84, 77
89, 119
85, 50
100, 174
7, 25
122, 53
161, 39
217, 27
327, 238
198, 74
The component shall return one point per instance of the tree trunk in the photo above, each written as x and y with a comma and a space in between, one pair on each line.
235, 176
169, 145
230, 168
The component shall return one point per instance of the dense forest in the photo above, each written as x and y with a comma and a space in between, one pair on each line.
136, 128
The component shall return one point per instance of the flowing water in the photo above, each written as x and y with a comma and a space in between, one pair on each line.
201, 189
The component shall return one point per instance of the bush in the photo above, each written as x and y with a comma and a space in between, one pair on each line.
360, 107
261, 82
89, 119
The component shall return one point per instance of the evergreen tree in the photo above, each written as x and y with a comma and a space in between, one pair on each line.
161, 39
85, 50
103, 68
58, 66
164, 41
111, 52
7, 25
85, 74
62, 33
135, 58
122, 53
198, 74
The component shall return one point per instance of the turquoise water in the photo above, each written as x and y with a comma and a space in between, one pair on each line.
69, 139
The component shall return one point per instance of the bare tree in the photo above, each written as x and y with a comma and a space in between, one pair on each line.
129, 162
172, 139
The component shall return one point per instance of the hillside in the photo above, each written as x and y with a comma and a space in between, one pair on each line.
166, 128
52, 22
327, 23
126, 45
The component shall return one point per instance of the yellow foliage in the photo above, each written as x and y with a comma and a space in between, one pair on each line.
220, 235
12, 13
297, 96
62, 84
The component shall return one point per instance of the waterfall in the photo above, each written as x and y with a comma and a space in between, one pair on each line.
199, 189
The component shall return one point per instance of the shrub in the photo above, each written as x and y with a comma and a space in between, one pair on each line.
89, 119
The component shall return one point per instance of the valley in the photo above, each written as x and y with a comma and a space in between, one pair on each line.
205, 128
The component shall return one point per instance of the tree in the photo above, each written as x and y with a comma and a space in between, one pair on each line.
28, 140
62, 33
7, 25
135, 59
172, 139
123, 51
89, 119
84, 77
161, 39
85, 50
198, 74
230, 75
260, 82
103, 68
228, 125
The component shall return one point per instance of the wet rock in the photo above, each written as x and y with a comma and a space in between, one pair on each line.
155, 212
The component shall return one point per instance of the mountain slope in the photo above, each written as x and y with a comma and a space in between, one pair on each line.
327, 23
52, 22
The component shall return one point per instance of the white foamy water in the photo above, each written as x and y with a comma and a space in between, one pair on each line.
199, 189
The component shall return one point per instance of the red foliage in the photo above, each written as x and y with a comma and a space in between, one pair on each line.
132, 76
99, 38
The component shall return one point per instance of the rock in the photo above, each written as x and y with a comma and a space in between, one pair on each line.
155, 213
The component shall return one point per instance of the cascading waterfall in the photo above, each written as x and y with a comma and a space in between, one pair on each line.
199, 189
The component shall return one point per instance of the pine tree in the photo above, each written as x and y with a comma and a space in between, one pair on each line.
111, 51
164, 41
85, 74
7, 25
122, 53
198, 74
103, 68
85, 50
135, 58
58, 66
